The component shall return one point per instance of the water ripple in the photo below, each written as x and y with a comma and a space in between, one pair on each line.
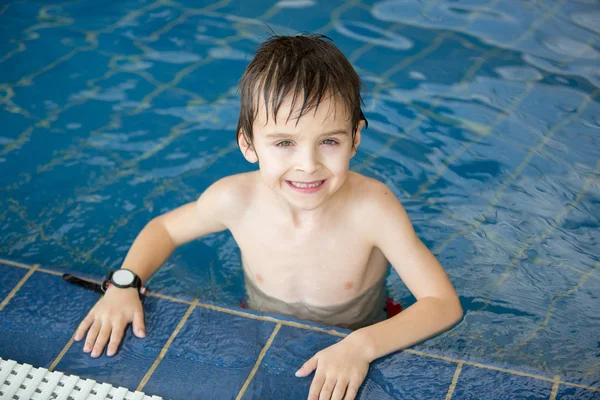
384, 38
531, 30
295, 3
173, 57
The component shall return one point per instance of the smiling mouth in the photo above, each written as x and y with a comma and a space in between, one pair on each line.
306, 185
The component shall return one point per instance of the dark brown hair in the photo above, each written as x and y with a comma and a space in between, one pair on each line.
307, 66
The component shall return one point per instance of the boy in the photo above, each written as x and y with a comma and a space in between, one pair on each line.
315, 238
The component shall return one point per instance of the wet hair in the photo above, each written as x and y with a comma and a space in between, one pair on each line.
310, 68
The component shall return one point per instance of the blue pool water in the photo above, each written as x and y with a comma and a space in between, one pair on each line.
483, 119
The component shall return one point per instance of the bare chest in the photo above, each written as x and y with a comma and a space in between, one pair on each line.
320, 266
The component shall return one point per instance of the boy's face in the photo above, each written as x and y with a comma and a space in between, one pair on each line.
304, 161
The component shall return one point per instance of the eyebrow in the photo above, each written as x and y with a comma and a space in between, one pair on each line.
280, 135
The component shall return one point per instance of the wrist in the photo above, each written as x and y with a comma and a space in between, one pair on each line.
362, 342
123, 279
114, 289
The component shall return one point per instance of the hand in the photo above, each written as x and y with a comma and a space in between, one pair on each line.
109, 318
340, 370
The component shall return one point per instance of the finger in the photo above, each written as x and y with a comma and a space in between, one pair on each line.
351, 391
327, 388
115, 338
102, 339
91, 336
83, 327
340, 389
315, 386
307, 368
139, 329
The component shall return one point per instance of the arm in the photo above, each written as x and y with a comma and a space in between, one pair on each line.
151, 248
342, 368
437, 308
162, 235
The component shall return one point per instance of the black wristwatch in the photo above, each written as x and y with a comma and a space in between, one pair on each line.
123, 278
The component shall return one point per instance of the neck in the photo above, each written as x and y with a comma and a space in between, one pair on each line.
302, 219
299, 218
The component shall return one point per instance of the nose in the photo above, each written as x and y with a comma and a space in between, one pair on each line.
308, 161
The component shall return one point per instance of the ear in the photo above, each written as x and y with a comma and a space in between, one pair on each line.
246, 148
361, 125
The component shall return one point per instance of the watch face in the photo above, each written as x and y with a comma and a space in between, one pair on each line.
123, 277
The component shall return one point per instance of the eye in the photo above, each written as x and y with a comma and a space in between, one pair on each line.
329, 142
284, 143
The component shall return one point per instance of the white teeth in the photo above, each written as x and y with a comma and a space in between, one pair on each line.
301, 185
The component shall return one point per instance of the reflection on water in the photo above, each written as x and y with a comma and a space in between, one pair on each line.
484, 120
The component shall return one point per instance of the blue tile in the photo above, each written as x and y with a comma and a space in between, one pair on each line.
400, 375
474, 381
573, 393
135, 356
211, 357
10, 277
404, 375
291, 348
41, 318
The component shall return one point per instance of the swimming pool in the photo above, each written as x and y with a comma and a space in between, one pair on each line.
483, 119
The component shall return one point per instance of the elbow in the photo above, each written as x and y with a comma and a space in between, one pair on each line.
450, 309
157, 230
455, 310
156, 222
156, 226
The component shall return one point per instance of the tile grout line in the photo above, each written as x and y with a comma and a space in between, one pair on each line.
15, 264
499, 369
50, 272
517, 171
555, 387
556, 379
181, 73
357, 53
215, 157
440, 38
42, 14
109, 29
559, 216
92, 37
271, 319
326, 331
18, 286
216, 5
374, 156
258, 361
147, 99
578, 385
554, 225
165, 348
508, 371
552, 305
454, 381
243, 314
62, 353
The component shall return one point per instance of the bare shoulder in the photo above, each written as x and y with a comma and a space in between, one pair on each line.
375, 205
369, 193
230, 194
231, 187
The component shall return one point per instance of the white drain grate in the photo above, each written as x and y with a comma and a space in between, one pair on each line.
24, 382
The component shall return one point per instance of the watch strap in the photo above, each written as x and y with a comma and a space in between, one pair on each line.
136, 283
